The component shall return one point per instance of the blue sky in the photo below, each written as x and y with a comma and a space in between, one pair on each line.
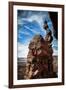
30, 23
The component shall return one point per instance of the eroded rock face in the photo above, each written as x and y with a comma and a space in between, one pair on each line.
39, 59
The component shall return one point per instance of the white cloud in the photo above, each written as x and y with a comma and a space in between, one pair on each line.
22, 50
34, 31
25, 33
19, 21
55, 52
38, 18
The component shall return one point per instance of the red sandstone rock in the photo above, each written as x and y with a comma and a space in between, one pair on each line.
39, 59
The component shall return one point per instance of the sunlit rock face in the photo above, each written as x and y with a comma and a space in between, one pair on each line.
39, 59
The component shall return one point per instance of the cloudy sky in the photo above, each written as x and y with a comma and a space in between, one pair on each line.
30, 23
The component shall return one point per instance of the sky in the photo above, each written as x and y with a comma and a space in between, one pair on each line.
30, 23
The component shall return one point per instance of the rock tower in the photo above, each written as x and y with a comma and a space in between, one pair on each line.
39, 59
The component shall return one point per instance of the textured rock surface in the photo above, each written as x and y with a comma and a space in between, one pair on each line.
39, 59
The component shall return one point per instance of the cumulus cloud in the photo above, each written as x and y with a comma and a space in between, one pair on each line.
22, 50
